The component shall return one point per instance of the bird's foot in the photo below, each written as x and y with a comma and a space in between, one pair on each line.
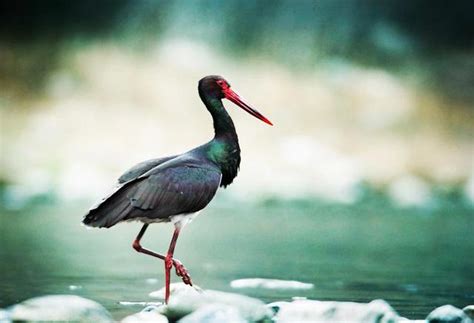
182, 272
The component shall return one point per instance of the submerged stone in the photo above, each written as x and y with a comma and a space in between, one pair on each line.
448, 314
185, 299
269, 284
59, 308
377, 311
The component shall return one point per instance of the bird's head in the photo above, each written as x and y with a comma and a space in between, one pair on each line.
217, 87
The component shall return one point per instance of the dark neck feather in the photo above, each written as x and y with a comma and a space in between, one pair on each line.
224, 149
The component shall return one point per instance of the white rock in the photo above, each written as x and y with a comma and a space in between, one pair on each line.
214, 313
269, 284
4, 316
149, 316
132, 303
60, 308
469, 310
405, 320
185, 299
178, 289
448, 314
75, 287
319, 311
276, 306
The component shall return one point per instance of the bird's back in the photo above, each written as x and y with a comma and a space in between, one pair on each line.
143, 167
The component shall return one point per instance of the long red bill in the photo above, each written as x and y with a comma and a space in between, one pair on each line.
234, 97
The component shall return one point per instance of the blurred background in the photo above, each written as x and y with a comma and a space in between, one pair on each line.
364, 186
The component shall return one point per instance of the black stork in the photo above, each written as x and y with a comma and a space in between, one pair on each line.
173, 189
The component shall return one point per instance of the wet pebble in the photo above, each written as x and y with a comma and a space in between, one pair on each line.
269, 284
59, 308
469, 310
4, 316
129, 303
75, 287
448, 314
214, 313
148, 314
152, 281
321, 311
185, 300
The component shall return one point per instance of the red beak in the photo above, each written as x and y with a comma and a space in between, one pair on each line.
234, 97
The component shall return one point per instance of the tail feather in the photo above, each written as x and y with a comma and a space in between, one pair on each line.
112, 210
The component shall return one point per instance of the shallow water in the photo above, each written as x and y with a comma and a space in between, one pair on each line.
416, 260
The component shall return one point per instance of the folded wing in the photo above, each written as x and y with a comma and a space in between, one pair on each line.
172, 188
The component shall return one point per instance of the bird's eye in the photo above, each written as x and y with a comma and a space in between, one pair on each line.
223, 84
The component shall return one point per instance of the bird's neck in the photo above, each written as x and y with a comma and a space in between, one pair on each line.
224, 149
223, 125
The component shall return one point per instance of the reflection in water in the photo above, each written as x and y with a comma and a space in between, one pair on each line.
414, 260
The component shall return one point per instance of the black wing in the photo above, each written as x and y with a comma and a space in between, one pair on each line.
180, 187
142, 168
131, 175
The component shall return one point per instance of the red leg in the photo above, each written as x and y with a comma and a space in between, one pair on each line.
169, 263
136, 245
180, 270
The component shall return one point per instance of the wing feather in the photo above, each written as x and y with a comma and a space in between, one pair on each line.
172, 188
177, 190
143, 167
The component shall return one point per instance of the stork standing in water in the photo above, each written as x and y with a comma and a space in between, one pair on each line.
174, 188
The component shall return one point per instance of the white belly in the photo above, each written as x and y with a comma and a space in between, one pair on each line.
181, 220
178, 220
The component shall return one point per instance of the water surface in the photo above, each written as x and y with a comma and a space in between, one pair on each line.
416, 260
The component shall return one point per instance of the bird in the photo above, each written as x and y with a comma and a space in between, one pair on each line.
175, 188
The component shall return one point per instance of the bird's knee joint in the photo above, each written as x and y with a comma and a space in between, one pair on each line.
169, 262
136, 245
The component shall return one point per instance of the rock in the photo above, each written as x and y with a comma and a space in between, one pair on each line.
4, 316
276, 306
214, 313
469, 310
185, 299
310, 311
177, 288
148, 314
269, 284
448, 314
59, 308
152, 308
405, 320
133, 303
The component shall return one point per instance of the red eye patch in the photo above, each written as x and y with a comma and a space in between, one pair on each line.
223, 84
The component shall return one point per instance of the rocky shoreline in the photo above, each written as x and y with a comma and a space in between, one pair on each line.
193, 305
